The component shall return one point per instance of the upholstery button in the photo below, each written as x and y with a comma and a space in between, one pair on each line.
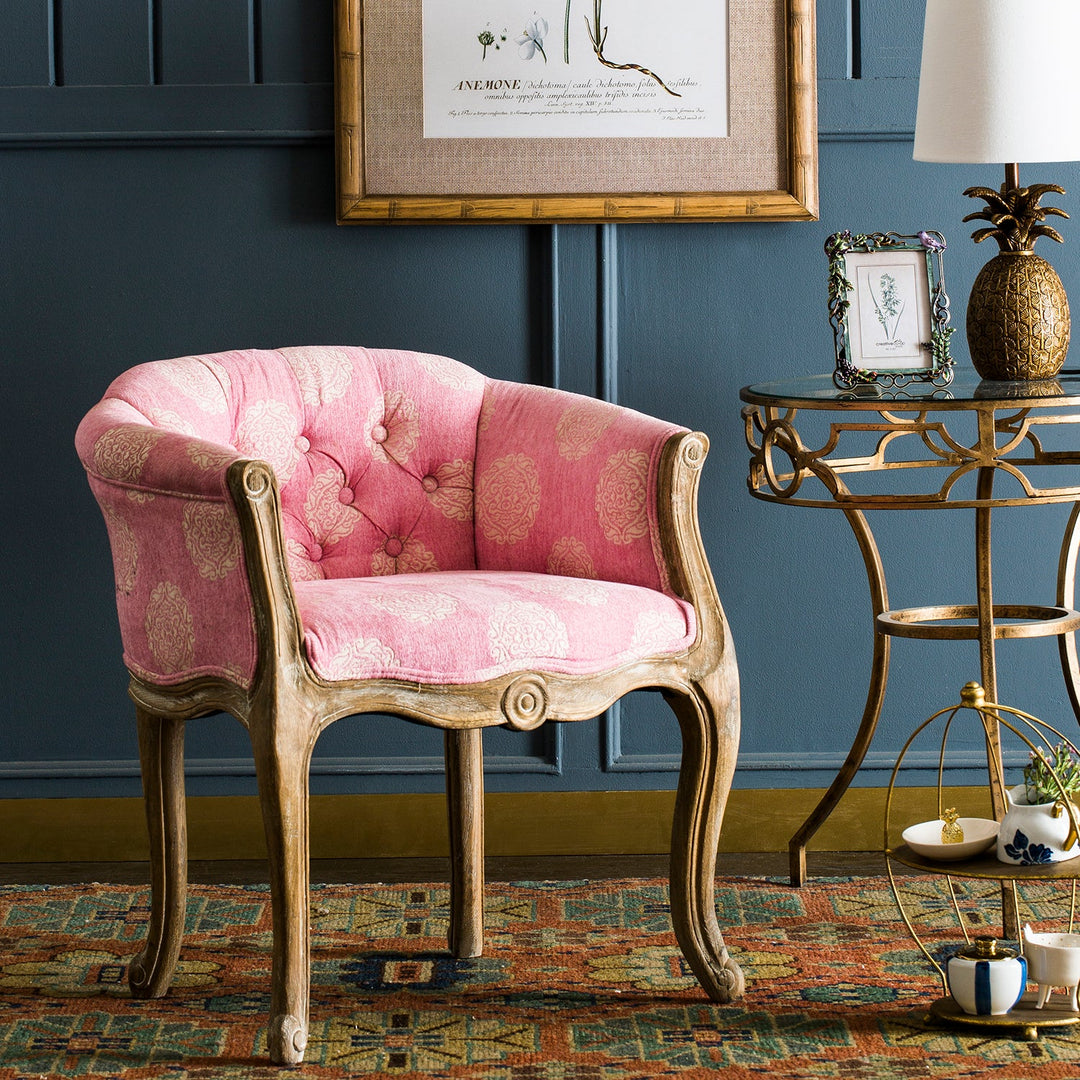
394, 547
302, 444
379, 433
429, 483
346, 497
315, 552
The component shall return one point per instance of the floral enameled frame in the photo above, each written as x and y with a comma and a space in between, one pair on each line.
888, 309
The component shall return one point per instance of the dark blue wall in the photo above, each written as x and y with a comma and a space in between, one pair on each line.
167, 189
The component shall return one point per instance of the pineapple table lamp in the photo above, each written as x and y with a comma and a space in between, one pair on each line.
1000, 82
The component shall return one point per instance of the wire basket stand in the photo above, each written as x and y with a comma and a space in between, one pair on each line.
1024, 1017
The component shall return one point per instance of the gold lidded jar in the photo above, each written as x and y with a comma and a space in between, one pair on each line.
986, 979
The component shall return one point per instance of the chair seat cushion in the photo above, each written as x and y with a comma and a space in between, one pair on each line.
472, 625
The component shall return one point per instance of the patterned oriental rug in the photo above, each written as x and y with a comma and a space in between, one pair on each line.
581, 981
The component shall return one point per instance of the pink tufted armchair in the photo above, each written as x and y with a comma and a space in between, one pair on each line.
303, 534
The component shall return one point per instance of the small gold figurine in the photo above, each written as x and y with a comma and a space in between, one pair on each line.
952, 832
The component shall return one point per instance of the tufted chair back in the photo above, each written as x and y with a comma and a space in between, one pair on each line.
373, 449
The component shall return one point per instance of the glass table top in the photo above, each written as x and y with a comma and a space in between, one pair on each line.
966, 390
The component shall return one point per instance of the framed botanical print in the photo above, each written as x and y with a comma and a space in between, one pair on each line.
575, 110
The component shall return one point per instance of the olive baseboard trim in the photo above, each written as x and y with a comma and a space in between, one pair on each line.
414, 825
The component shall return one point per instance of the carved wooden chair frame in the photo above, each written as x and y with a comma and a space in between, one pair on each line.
288, 705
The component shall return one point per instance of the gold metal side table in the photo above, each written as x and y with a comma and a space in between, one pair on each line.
919, 448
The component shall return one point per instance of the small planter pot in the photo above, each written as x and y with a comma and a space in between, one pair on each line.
1054, 961
1033, 834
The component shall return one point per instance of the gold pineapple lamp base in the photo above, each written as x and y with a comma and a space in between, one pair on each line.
1018, 321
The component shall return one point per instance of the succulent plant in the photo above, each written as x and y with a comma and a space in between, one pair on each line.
1040, 785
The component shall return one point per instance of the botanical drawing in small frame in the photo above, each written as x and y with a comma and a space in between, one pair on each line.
888, 309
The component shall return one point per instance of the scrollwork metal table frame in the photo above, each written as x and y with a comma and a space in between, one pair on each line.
904, 434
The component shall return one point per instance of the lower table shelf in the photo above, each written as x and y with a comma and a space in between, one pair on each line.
1023, 1017
986, 867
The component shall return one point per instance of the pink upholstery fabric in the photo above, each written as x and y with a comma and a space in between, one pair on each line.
181, 583
467, 626
567, 485
375, 453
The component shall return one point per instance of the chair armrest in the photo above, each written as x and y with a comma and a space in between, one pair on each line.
570, 485
117, 444
182, 590
688, 568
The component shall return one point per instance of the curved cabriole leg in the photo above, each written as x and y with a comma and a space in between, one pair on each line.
161, 753
1066, 597
465, 808
709, 718
281, 767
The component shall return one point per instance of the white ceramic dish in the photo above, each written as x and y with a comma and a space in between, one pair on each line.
925, 839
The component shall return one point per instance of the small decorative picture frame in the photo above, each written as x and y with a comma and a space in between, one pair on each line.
888, 309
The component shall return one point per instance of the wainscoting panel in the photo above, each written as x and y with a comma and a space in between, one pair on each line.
195, 49
115, 116
868, 69
26, 56
102, 44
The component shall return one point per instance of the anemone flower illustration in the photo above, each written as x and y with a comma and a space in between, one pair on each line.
598, 37
486, 38
532, 38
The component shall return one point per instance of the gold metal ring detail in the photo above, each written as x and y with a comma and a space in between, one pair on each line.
941, 622
769, 439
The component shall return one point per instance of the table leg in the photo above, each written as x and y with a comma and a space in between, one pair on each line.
984, 595
879, 674
1066, 598
984, 589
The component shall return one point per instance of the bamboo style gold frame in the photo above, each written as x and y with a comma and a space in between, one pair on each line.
387, 172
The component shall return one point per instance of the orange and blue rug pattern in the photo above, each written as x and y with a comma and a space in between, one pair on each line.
579, 981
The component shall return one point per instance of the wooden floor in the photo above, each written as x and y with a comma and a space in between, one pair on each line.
545, 868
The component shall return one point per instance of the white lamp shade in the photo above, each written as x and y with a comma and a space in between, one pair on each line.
1000, 81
